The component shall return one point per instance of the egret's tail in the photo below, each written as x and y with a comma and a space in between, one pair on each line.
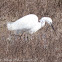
9, 26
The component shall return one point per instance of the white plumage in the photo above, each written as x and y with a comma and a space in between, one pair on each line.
28, 23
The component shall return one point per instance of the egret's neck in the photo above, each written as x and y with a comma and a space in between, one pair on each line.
46, 19
42, 21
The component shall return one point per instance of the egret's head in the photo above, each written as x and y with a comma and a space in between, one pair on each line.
48, 20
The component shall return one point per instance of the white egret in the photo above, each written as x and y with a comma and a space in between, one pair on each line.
29, 24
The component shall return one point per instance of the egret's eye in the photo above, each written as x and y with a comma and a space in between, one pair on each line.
50, 23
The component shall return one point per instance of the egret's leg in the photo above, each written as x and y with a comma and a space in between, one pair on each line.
21, 35
17, 33
26, 37
29, 37
10, 37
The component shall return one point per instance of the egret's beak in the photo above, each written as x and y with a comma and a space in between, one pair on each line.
52, 27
